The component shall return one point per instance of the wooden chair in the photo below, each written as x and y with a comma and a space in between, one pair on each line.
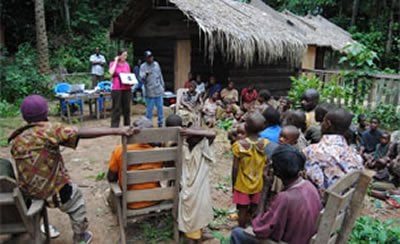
343, 204
16, 218
168, 195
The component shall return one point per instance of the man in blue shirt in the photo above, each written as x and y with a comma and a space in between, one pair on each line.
273, 128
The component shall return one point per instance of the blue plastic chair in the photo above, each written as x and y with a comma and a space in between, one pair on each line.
61, 88
104, 86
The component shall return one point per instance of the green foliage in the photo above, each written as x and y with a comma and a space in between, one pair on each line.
100, 176
225, 124
390, 119
359, 56
20, 77
369, 230
162, 232
222, 239
8, 109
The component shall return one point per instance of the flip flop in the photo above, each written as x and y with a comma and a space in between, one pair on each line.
392, 202
54, 233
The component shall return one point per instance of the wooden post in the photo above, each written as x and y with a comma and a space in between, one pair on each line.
182, 62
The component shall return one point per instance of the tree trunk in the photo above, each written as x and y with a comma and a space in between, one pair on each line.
67, 16
354, 13
389, 41
41, 38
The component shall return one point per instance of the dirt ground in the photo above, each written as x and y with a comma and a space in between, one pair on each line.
90, 159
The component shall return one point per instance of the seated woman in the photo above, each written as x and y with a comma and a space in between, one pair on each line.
249, 96
230, 95
210, 110
190, 103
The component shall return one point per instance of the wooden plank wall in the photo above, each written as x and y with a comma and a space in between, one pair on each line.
275, 77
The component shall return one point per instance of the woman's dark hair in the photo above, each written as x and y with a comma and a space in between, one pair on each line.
287, 162
121, 51
271, 116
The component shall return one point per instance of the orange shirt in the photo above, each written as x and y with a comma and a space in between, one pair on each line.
115, 166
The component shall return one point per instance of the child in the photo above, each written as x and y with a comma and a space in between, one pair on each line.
292, 215
262, 101
289, 135
237, 133
248, 165
370, 138
310, 100
313, 132
297, 119
195, 205
385, 151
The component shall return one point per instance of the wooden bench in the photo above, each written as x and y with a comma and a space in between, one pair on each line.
16, 218
167, 195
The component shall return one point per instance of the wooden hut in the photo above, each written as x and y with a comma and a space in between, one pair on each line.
221, 37
324, 39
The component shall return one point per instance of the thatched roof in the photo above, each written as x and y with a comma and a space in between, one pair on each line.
320, 31
243, 33
316, 29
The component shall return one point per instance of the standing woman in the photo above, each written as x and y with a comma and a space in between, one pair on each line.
121, 94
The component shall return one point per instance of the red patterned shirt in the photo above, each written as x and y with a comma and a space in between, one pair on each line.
36, 151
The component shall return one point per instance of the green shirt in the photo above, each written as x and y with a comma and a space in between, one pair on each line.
6, 168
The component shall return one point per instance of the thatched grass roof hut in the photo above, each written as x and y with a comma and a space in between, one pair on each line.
244, 33
324, 39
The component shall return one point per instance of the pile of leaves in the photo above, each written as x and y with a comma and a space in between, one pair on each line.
369, 230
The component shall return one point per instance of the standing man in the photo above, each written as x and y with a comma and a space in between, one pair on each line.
152, 78
97, 61
309, 101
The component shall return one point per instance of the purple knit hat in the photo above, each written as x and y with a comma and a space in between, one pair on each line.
34, 108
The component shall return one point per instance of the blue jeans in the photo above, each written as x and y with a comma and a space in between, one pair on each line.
158, 101
238, 236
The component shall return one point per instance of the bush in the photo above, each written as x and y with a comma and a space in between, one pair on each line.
20, 77
369, 230
387, 115
8, 109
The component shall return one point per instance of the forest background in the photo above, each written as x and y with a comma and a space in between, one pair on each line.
75, 27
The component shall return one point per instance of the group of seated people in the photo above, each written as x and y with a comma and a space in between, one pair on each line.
209, 103
283, 160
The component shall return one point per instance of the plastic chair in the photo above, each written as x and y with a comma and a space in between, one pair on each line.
104, 86
65, 88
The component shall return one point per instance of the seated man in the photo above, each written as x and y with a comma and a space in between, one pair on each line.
115, 166
292, 215
41, 171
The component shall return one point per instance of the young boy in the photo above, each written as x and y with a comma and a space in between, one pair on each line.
195, 205
237, 133
370, 138
35, 148
248, 166
292, 215
313, 132
310, 100
298, 119
262, 101
385, 152
289, 135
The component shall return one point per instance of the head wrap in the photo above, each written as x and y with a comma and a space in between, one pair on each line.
34, 108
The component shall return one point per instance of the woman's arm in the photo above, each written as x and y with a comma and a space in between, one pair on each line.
114, 66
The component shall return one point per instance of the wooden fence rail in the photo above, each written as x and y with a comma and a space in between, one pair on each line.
385, 88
